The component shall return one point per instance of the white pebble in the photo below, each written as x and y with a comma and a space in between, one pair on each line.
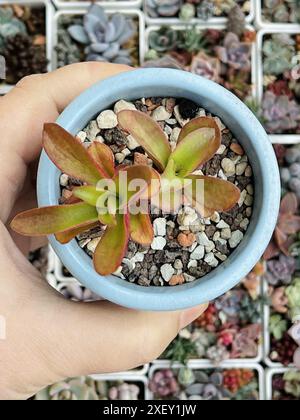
236, 238
192, 264
215, 217
211, 260
242, 198
248, 200
132, 143
202, 239
119, 157
64, 180
228, 167
250, 189
216, 236
244, 223
159, 226
92, 130
220, 256
226, 233
130, 264
107, 119
222, 225
248, 171
188, 278
221, 149
179, 118
158, 243
240, 168
178, 265
210, 247
161, 114
92, 245
123, 105
198, 253
139, 257
82, 136
175, 134
167, 272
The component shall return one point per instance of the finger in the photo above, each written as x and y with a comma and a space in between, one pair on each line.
102, 337
36, 100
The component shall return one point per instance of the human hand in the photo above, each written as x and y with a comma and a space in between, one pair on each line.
49, 338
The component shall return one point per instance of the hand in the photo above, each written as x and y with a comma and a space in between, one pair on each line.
47, 337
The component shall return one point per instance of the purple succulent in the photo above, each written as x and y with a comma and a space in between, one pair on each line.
280, 270
235, 53
205, 66
280, 114
164, 383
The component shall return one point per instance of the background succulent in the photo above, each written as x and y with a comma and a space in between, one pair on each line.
83, 388
104, 36
236, 21
163, 40
9, 25
235, 53
164, 8
277, 325
278, 52
205, 10
281, 11
280, 270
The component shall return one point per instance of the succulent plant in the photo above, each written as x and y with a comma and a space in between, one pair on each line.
292, 383
198, 142
244, 344
93, 203
124, 391
187, 12
180, 350
164, 383
288, 224
279, 301
293, 294
234, 53
281, 11
280, 114
205, 10
103, 36
192, 40
278, 53
235, 379
163, 40
206, 66
218, 353
67, 52
280, 271
163, 8
223, 6
290, 170
236, 21
82, 388
10, 25
277, 326
186, 376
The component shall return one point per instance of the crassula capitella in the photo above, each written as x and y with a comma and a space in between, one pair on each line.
119, 199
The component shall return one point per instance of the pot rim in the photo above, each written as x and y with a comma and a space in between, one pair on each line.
237, 117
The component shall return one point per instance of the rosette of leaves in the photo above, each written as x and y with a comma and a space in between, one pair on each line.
92, 206
77, 389
279, 113
234, 53
192, 40
198, 142
277, 326
165, 39
280, 270
293, 294
282, 11
278, 52
236, 21
292, 383
163, 8
206, 66
164, 383
10, 25
205, 10
104, 37
180, 350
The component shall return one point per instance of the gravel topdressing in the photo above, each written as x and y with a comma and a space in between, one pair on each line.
186, 246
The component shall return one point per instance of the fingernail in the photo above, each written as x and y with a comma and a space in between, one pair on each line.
188, 316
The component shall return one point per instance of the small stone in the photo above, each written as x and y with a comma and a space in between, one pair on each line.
84, 242
221, 245
191, 248
158, 243
226, 233
139, 257
202, 239
242, 198
179, 118
248, 200
132, 143
140, 159
99, 139
220, 256
192, 264
66, 194
219, 123
210, 247
215, 217
167, 272
211, 260
244, 223
198, 253
92, 130
119, 157
161, 114
170, 104
130, 264
176, 279
175, 134
159, 226
186, 239
222, 175
216, 236
236, 148
240, 168
221, 149
64, 180
92, 245
82, 136
228, 167
126, 152
188, 278
222, 225
248, 211
178, 265
107, 119
168, 130
123, 105
248, 171
171, 121
250, 189
236, 238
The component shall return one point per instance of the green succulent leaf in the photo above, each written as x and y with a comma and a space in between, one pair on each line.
148, 134
104, 157
49, 220
141, 230
195, 149
89, 194
215, 194
69, 155
112, 246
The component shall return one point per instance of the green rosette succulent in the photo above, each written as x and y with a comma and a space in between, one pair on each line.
293, 294
76, 389
292, 383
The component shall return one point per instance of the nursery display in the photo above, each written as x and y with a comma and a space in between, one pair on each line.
86, 388
280, 107
223, 56
286, 386
97, 35
281, 11
203, 10
205, 384
229, 329
23, 40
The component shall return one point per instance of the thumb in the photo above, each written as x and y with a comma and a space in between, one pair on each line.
103, 337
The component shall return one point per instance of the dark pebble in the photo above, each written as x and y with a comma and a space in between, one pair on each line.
114, 136
188, 109
226, 139
210, 231
243, 181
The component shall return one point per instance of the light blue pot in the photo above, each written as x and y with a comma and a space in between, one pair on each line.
248, 131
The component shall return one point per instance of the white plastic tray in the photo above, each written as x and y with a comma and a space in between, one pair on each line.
261, 23
4, 88
269, 376
61, 4
81, 11
195, 21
